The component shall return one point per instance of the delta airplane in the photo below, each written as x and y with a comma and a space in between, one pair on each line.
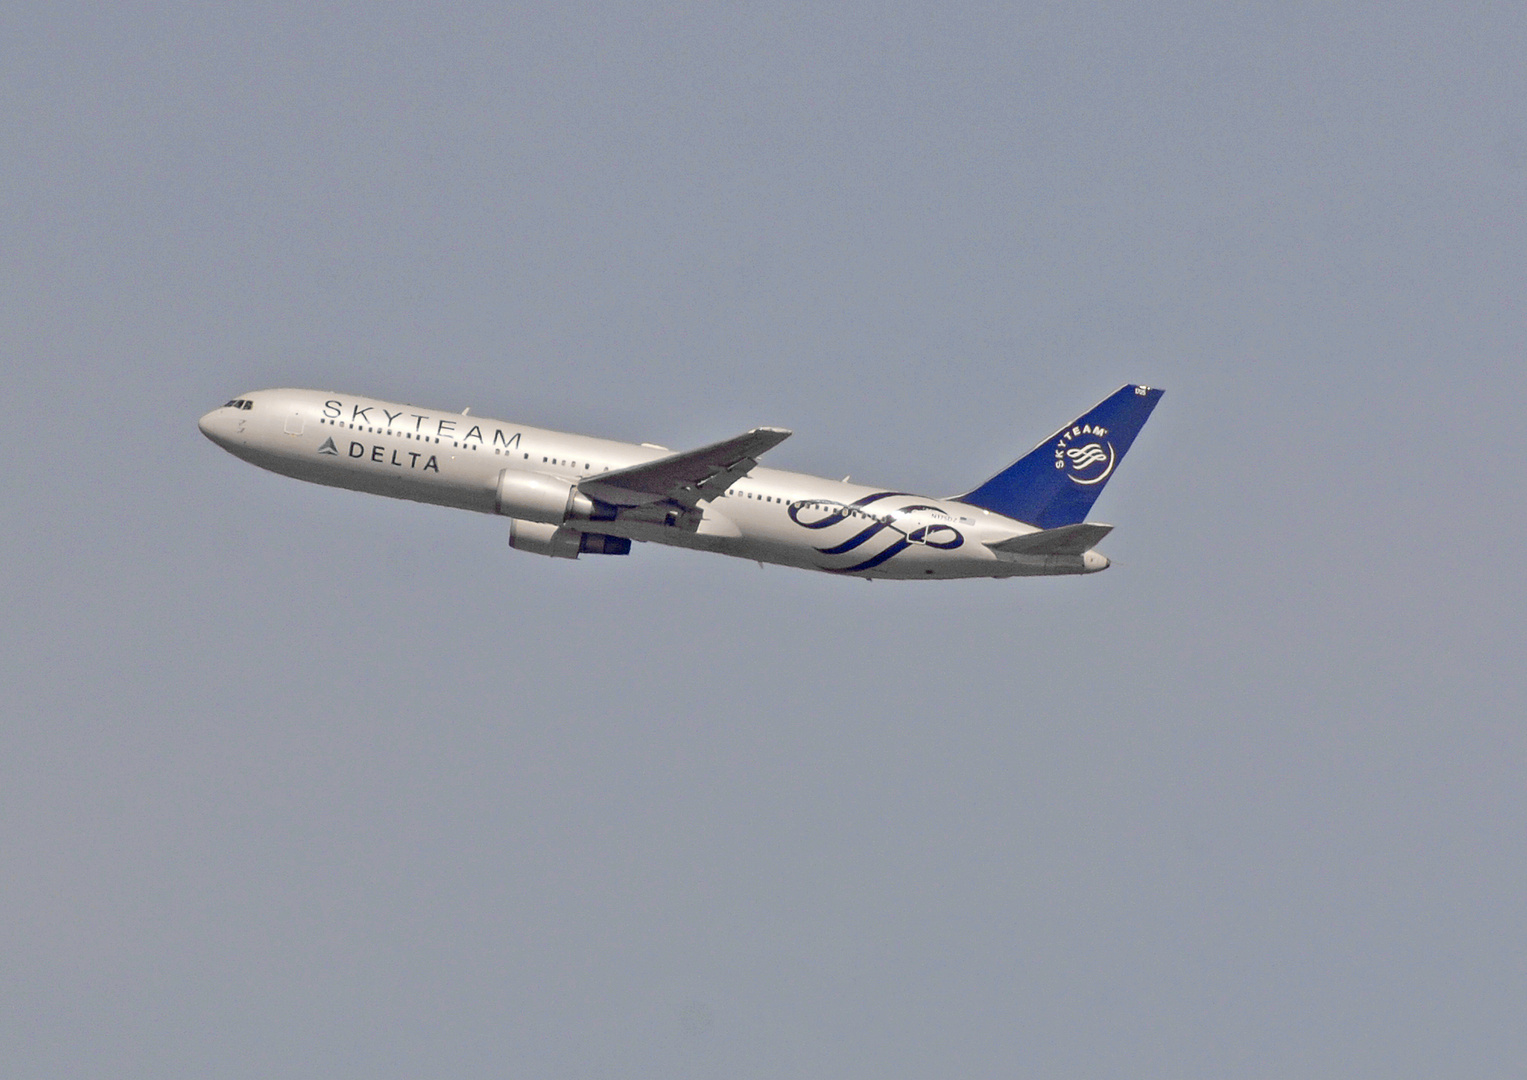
567, 495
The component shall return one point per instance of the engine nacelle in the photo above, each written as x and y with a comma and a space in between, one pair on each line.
548, 499
541, 538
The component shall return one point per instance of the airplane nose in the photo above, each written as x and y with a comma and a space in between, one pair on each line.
216, 425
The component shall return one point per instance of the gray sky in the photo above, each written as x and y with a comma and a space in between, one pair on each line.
298, 782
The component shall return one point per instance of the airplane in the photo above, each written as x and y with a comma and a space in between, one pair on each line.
568, 495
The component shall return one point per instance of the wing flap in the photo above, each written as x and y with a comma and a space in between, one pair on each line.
1065, 540
687, 477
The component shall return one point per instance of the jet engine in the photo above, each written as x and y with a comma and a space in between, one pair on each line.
547, 499
540, 538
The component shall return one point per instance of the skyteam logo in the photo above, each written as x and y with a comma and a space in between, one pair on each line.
1085, 454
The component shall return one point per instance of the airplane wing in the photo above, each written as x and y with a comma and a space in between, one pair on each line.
1065, 540
687, 477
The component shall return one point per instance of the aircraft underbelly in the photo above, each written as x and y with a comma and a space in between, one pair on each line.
889, 556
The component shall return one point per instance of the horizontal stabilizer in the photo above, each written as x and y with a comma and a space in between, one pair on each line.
1066, 540
688, 477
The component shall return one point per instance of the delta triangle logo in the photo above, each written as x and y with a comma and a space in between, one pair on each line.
328, 447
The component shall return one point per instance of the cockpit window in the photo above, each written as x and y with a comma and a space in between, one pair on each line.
238, 403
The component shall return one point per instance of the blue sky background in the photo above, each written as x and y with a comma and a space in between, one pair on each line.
295, 781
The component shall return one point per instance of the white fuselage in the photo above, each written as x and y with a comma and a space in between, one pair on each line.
456, 459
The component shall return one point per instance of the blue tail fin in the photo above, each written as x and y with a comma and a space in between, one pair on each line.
1057, 482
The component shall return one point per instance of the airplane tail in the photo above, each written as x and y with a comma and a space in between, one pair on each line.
1057, 482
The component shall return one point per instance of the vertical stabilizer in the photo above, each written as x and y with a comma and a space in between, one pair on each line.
1057, 482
